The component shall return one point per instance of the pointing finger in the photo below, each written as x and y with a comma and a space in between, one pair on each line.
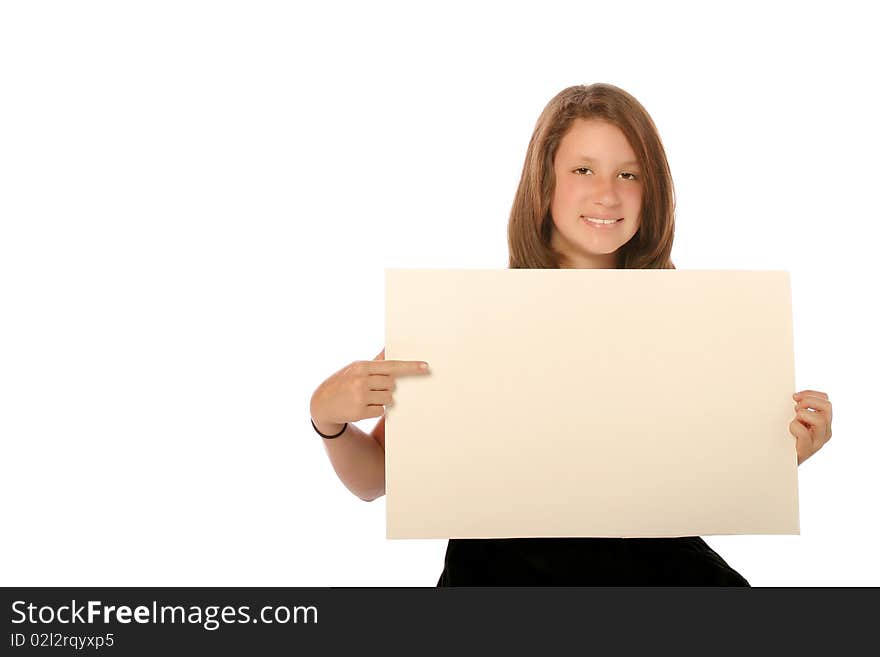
398, 367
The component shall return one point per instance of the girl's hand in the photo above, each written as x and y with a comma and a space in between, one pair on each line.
360, 390
812, 422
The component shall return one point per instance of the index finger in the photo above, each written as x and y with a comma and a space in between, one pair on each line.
812, 393
398, 367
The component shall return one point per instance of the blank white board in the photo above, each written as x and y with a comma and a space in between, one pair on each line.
590, 402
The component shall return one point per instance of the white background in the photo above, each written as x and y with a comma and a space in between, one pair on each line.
198, 202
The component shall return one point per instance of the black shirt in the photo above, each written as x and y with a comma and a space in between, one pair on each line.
685, 561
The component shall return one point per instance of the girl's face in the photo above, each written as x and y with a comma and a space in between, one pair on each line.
597, 176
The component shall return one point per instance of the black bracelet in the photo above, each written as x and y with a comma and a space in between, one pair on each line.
344, 427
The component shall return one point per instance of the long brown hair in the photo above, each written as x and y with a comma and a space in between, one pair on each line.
529, 228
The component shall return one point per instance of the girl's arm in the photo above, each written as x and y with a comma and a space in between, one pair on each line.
358, 458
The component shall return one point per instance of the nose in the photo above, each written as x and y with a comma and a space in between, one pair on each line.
605, 192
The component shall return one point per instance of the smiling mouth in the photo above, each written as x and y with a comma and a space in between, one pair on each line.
602, 222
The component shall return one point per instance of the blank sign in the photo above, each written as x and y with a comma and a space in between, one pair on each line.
590, 402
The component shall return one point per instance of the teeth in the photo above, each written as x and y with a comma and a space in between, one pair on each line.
601, 221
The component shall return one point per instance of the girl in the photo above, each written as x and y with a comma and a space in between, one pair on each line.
595, 192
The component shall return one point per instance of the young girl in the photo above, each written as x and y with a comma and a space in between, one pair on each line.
595, 192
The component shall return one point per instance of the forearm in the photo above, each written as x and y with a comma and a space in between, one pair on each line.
359, 461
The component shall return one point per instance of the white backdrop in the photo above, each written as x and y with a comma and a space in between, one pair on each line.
199, 199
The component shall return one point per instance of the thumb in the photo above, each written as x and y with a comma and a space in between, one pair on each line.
381, 355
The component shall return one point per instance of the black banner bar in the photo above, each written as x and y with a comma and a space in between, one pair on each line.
134, 621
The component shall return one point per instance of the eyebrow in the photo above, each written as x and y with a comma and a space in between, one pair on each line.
587, 158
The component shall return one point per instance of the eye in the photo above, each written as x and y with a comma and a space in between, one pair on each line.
632, 176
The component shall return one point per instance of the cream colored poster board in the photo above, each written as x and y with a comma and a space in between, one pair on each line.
577, 402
